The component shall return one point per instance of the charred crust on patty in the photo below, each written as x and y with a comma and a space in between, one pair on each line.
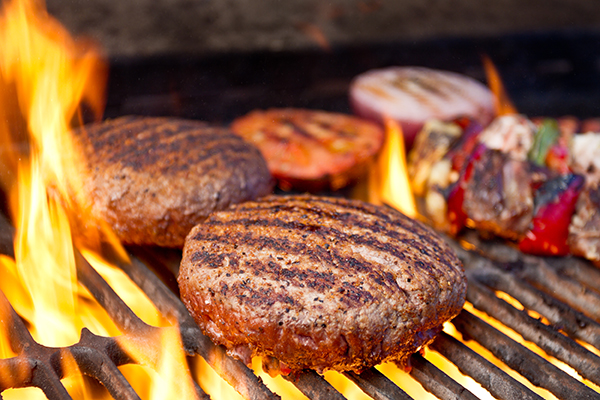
321, 283
152, 179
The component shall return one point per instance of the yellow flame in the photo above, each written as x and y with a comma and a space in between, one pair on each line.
172, 369
128, 291
43, 249
73, 381
212, 383
389, 182
502, 103
45, 76
162, 373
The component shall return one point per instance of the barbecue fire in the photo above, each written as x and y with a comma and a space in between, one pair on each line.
43, 83
388, 181
45, 77
502, 103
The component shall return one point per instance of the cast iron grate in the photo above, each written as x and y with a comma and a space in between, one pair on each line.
573, 313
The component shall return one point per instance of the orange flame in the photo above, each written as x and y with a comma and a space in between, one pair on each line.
315, 33
388, 182
169, 375
502, 103
45, 77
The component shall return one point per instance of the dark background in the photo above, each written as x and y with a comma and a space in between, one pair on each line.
545, 73
217, 59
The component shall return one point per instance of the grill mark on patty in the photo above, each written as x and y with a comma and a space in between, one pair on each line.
315, 206
136, 125
279, 246
356, 218
149, 151
213, 260
140, 143
372, 324
285, 245
263, 296
319, 281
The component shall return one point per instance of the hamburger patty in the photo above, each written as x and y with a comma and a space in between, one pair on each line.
321, 283
153, 179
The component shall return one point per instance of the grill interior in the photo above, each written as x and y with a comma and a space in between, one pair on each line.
572, 312
548, 73
552, 78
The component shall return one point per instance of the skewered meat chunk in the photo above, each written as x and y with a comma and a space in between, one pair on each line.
510, 134
584, 231
431, 145
585, 160
498, 196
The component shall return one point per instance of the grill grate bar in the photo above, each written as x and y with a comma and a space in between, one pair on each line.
530, 365
577, 269
539, 274
560, 315
548, 339
40, 366
314, 386
377, 385
492, 378
233, 371
99, 357
125, 319
436, 381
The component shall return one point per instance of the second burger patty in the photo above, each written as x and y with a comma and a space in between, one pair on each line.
152, 179
320, 283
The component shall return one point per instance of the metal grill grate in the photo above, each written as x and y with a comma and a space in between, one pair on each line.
530, 280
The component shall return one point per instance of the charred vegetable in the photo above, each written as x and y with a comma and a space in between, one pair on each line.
554, 205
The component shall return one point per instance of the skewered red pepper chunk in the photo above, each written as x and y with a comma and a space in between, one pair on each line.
554, 205
462, 149
456, 195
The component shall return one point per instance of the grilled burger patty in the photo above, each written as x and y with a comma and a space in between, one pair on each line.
153, 179
309, 149
317, 282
